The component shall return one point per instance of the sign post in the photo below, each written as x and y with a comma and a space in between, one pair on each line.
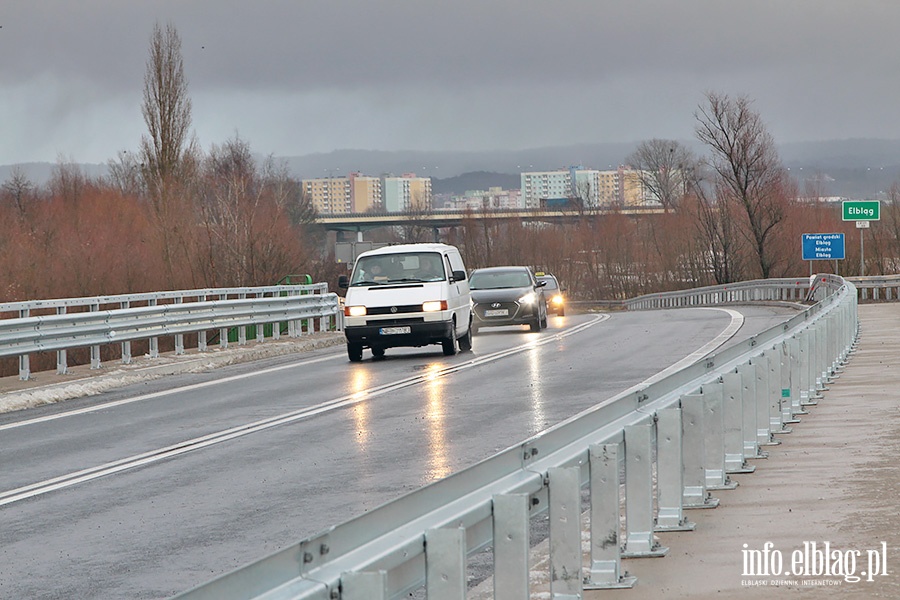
861, 211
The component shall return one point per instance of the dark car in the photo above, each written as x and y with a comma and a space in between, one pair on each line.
507, 296
556, 302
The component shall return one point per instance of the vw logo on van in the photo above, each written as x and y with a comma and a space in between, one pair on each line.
393, 309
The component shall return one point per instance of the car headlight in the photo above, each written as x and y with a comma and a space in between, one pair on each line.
434, 305
354, 311
528, 298
557, 299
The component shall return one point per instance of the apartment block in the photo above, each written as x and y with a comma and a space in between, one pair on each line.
365, 193
406, 193
543, 185
329, 195
593, 188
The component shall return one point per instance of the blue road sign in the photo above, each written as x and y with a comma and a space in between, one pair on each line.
823, 246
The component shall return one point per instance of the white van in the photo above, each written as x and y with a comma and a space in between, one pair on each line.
407, 295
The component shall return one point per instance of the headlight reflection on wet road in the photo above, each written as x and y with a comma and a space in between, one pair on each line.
434, 422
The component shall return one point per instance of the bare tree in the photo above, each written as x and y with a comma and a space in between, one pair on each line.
67, 181
718, 238
125, 174
664, 169
747, 168
165, 152
166, 106
18, 191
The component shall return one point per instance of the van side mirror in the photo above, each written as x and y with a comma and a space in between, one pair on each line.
459, 275
343, 282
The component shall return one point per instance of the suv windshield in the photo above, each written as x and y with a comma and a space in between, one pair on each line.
382, 269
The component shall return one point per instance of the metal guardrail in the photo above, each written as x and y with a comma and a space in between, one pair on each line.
785, 289
708, 419
879, 287
114, 319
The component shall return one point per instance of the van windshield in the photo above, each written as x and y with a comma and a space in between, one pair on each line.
384, 269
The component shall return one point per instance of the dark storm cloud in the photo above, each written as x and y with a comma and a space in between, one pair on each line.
305, 76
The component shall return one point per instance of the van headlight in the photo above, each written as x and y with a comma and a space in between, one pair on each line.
528, 298
354, 311
557, 299
434, 305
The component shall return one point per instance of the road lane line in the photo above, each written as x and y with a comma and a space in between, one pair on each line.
84, 475
178, 390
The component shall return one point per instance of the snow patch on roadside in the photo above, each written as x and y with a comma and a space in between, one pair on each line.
91, 382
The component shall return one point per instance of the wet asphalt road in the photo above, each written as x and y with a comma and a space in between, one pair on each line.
155, 488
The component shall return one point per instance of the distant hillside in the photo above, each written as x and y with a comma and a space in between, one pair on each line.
478, 180
40, 172
855, 168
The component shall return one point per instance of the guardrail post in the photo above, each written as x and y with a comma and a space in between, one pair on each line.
294, 328
95, 350
324, 321
733, 418
565, 533
606, 564
201, 335
445, 564
179, 337
24, 359
789, 396
62, 366
364, 585
639, 538
126, 346
242, 330
764, 435
805, 369
714, 438
748, 400
261, 326
776, 390
695, 494
795, 346
511, 530
669, 475
223, 332
835, 334
154, 341
818, 366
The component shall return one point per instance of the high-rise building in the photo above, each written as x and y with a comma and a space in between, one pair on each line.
540, 186
589, 187
631, 188
365, 193
329, 195
406, 193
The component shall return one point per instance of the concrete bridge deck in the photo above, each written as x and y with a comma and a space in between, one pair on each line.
835, 478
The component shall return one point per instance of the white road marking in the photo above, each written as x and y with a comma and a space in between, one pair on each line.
70, 479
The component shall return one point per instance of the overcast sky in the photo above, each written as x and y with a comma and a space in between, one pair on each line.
293, 77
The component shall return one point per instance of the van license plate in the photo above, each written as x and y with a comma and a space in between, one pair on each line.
500, 312
393, 330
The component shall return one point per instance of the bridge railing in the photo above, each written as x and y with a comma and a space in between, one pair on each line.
878, 287
63, 324
785, 289
708, 421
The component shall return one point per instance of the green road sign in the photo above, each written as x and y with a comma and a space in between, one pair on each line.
861, 210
